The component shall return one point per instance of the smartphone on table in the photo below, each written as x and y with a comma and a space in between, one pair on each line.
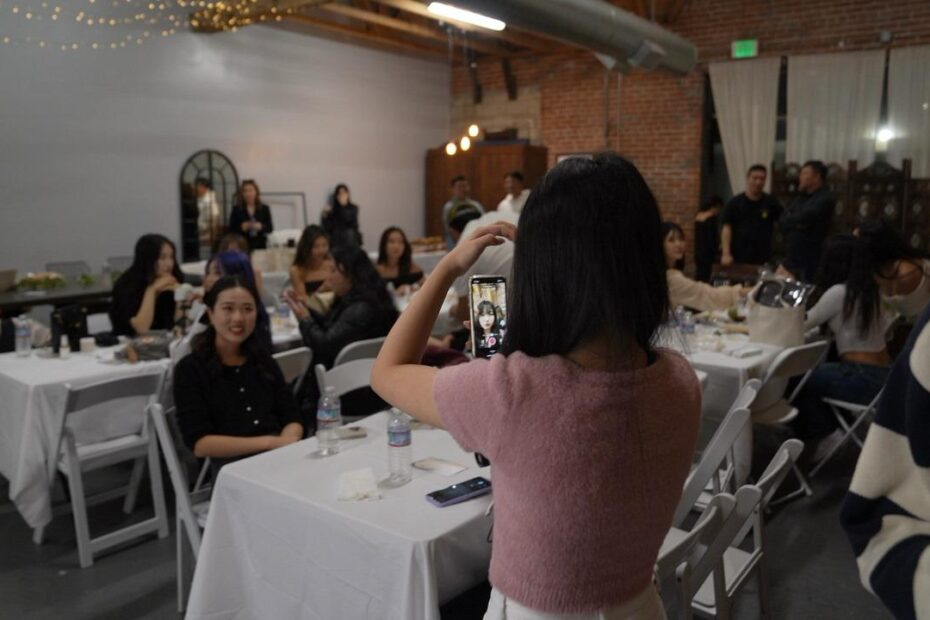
458, 493
487, 303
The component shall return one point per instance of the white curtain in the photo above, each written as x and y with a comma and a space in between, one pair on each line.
834, 103
746, 99
909, 108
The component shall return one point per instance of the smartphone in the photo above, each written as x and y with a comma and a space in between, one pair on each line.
458, 493
487, 302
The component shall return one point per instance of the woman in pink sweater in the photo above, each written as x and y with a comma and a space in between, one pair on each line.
590, 428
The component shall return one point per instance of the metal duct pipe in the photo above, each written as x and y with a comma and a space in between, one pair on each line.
604, 29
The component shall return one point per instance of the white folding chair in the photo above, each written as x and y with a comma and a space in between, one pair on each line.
294, 365
860, 414
739, 564
86, 457
705, 529
770, 405
712, 463
71, 269
345, 378
188, 504
363, 349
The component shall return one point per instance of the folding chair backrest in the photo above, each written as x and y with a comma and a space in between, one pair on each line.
178, 479
775, 473
713, 457
294, 365
704, 531
147, 385
363, 349
345, 377
790, 363
746, 395
69, 269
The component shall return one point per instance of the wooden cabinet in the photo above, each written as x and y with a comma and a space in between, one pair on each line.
485, 166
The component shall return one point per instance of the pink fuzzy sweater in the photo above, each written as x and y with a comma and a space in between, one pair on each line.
588, 468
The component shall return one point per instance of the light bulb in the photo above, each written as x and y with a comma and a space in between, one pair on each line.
465, 143
885, 134
473, 130
451, 148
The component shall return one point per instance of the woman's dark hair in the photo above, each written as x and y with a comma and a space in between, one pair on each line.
669, 228
230, 240
403, 264
305, 246
240, 198
486, 307
335, 200
589, 259
366, 281
234, 263
886, 245
145, 256
255, 347
846, 261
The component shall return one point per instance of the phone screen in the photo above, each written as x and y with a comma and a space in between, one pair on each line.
460, 490
488, 304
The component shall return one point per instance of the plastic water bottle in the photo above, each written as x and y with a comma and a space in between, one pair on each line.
23, 336
399, 450
328, 421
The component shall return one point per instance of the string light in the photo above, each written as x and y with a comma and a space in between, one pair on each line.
102, 20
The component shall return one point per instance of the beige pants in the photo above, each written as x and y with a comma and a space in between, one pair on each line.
645, 606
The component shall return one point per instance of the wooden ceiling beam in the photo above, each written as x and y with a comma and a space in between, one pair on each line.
367, 37
410, 6
418, 30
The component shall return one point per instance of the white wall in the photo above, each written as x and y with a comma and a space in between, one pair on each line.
92, 143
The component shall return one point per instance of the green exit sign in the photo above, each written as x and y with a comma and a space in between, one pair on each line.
746, 48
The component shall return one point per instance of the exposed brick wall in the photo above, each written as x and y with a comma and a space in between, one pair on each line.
660, 115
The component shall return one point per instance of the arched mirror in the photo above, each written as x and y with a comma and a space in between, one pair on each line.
209, 182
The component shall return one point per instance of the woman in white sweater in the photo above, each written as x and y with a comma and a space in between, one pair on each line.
682, 290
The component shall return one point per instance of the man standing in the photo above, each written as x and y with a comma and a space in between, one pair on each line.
458, 205
749, 222
516, 193
806, 223
208, 218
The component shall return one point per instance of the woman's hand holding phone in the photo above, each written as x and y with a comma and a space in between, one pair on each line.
464, 255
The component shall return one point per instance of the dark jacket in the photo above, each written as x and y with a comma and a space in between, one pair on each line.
805, 226
351, 319
127, 298
341, 224
258, 240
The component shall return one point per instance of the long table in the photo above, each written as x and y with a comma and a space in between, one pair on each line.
72, 293
278, 543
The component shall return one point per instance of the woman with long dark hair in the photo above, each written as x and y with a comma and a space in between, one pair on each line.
231, 397
340, 219
311, 263
143, 296
395, 260
589, 452
850, 309
682, 290
250, 216
902, 271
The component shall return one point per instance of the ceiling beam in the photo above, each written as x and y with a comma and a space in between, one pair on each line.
367, 37
411, 6
225, 16
418, 30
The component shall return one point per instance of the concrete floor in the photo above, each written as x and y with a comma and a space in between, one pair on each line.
812, 572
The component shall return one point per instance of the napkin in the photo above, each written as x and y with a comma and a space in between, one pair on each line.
358, 485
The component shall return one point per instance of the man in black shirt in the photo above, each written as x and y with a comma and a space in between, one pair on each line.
806, 223
749, 222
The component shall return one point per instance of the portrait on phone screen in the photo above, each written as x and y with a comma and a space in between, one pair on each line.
489, 314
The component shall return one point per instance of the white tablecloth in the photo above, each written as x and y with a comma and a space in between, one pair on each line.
32, 393
279, 545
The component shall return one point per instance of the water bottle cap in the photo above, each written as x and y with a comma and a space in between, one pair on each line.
330, 389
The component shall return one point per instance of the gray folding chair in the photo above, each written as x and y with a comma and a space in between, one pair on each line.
294, 365
71, 270
137, 447
188, 504
860, 414
345, 378
363, 349
770, 405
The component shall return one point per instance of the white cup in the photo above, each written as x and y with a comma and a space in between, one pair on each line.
88, 344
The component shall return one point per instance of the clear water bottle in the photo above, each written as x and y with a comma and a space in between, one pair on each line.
399, 450
328, 421
23, 336
284, 311
686, 325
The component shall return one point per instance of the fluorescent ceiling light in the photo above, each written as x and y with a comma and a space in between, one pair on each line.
477, 19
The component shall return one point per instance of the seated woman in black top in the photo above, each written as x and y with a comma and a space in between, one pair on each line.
231, 397
395, 262
143, 297
251, 217
311, 263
